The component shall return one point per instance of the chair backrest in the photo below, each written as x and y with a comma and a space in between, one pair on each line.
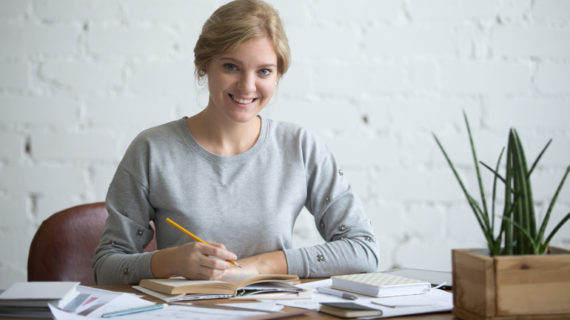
63, 246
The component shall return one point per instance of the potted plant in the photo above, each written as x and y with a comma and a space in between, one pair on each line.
518, 275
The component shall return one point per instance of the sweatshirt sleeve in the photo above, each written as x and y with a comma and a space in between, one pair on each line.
351, 246
119, 257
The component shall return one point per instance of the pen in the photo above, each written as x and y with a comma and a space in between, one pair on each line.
442, 286
400, 305
133, 310
193, 236
337, 293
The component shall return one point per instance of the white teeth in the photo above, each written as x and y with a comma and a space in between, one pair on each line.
242, 101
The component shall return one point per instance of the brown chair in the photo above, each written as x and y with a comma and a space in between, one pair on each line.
64, 245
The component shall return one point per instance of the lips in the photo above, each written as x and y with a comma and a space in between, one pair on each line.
242, 100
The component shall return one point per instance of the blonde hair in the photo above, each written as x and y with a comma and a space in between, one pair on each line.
236, 22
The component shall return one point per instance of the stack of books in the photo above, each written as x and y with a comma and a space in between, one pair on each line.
31, 299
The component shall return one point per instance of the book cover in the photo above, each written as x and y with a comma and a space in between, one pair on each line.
228, 285
348, 310
443, 279
39, 294
378, 284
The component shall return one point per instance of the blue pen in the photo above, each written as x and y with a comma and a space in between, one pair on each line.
134, 310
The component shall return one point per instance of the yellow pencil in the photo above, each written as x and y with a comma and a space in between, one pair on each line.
193, 236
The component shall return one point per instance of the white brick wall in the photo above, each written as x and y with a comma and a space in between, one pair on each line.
14, 75
80, 78
33, 38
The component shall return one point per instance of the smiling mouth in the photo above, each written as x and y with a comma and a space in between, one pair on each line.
242, 100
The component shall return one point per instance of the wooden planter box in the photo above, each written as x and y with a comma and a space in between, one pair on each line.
511, 287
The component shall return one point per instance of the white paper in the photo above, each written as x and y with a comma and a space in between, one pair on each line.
435, 300
315, 284
317, 298
260, 306
122, 302
97, 298
62, 315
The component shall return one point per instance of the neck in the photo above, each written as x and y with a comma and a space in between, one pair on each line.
224, 139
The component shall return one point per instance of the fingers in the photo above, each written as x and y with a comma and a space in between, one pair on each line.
205, 261
218, 250
218, 245
204, 273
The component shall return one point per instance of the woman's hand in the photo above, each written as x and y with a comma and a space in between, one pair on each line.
270, 262
193, 260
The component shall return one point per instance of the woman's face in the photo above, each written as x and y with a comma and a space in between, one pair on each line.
242, 81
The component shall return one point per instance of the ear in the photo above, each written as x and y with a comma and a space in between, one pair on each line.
206, 67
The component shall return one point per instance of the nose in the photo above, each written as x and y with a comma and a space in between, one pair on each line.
246, 83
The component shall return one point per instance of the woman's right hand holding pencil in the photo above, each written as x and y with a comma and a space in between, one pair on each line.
193, 260
199, 260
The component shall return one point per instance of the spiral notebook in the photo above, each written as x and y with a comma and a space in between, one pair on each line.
378, 284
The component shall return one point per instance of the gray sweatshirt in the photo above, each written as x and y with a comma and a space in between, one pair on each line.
248, 202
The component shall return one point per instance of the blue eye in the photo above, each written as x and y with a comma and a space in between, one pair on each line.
265, 72
230, 66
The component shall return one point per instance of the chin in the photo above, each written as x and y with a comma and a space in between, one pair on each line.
244, 116
244, 119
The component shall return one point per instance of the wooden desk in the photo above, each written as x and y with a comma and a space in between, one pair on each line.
311, 314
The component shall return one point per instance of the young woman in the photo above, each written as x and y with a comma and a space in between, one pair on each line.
235, 179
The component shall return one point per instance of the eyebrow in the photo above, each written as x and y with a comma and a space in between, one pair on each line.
241, 63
